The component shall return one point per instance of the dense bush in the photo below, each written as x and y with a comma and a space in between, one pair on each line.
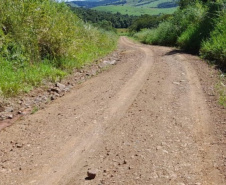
146, 21
198, 24
42, 39
190, 39
165, 34
168, 32
214, 48
142, 35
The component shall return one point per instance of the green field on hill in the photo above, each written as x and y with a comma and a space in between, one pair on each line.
130, 7
131, 10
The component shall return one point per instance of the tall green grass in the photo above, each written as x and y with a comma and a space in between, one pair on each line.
214, 48
198, 28
164, 34
14, 79
44, 40
182, 21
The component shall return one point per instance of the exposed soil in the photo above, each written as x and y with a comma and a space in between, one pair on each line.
151, 119
13, 108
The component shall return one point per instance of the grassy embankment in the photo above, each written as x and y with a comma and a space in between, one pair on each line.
198, 28
42, 40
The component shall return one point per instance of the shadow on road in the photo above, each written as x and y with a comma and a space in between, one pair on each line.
174, 52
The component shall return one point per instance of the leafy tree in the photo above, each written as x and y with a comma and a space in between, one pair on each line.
184, 3
147, 21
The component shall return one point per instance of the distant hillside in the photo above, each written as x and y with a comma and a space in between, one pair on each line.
94, 3
103, 19
130, 7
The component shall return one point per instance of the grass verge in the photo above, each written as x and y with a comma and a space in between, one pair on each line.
43, 40
221, 89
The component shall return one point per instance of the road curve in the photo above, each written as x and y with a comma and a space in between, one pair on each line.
144, 121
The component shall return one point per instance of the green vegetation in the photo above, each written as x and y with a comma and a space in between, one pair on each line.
146, 21
135, 3
214, 48
130, 7
105, 20
221, 89
15, 77
154, 3
34, 110
114, 22
43, 40
141, 7
222, 98
95, 3
136, 11
197, 27
123, 31
164, 34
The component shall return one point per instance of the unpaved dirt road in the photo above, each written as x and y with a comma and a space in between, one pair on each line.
147, 120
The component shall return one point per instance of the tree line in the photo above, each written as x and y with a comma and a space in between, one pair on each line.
104, 19
110, 21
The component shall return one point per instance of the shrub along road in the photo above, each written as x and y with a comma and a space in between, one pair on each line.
151, 119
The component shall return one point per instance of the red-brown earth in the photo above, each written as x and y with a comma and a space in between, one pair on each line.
153, 118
